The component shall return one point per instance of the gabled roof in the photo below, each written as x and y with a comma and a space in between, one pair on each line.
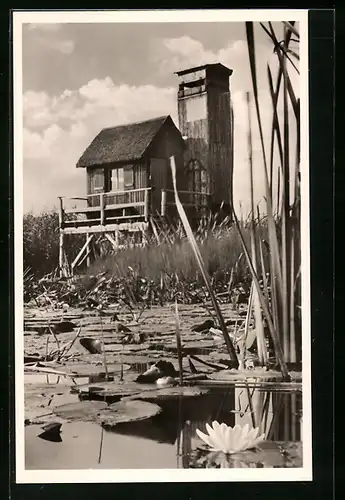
123, 143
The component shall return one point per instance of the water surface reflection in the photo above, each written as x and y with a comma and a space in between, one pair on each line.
169, 440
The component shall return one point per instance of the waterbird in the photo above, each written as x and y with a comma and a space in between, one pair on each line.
161, 369
165, 381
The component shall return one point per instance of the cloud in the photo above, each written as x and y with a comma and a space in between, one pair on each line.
57, 130
183, 52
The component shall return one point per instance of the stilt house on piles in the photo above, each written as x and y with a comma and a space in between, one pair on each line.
128, 173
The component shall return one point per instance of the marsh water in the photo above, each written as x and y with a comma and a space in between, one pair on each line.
169, 439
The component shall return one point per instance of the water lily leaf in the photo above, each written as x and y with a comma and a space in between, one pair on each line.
195, 347
206, 325
268, 454
64, 327
53, 427
53, 438
158, 395
93, 346
85, 411
111, 390
127, 411
96, 370
238, 375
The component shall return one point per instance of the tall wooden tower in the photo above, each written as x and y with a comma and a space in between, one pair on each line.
205, 121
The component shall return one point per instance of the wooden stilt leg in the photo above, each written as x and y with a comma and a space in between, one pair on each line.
88, 251
114, 242
61, 254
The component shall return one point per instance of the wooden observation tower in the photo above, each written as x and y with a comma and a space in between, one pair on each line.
128, 174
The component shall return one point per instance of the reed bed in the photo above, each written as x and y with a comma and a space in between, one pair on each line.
279, 310
282, 309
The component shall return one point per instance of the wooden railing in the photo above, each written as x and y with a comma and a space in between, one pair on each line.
103, 208
189, 199
132, 205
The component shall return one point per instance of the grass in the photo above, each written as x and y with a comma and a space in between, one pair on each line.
219, 252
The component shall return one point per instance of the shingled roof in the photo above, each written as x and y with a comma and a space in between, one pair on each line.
122, 143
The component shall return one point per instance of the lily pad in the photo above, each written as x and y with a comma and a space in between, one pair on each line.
98, 327
86, 411
255, 375
158, 395
195, 347
93, 346
266, 455
127, 349
88, 370
64, 327
112, 389
127, 411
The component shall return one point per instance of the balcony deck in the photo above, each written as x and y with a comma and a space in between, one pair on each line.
122, 210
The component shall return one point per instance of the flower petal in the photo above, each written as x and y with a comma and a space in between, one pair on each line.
228, 439
215, 437
205, 438
236, 437
223, 430
215, 426
244, 433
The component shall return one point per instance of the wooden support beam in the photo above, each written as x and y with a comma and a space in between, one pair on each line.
67, 270
112, 241
146, 205
61, 217
154, 230
61, 254
125, 226
87, 253
86, 256
82, 250
101, 202
117, 237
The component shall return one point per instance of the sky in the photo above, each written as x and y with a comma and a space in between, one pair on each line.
80, 78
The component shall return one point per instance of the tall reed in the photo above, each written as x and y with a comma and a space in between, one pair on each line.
202, 267
280, 304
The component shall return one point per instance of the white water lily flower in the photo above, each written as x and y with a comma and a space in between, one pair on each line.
229, 440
